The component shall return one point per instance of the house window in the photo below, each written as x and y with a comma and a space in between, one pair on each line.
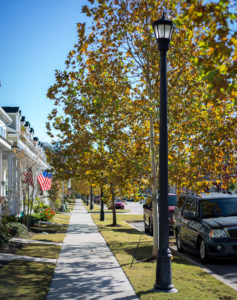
2, 132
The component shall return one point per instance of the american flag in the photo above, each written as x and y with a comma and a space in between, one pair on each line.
49, 181
29, 177
45, 180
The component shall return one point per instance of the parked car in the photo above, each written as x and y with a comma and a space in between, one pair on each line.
97, 199
128, 198
207, 225
118, 204
148, 214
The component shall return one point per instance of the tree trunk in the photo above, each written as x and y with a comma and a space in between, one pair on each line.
28, 206
154, 193
24, 208
154, 178
113, 206
153, 160
31, 207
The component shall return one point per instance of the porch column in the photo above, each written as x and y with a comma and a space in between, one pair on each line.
18, 188
15, 193
10, 184
1, 189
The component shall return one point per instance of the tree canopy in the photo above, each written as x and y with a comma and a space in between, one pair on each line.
109, 90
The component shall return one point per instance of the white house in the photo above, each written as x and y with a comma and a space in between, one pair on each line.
19, 151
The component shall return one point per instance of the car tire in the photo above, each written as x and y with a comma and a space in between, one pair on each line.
150, 228
202, 250
179, 242
146, 228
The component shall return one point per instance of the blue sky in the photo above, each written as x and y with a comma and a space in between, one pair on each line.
35, 38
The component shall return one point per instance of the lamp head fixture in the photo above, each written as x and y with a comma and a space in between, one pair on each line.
163, 29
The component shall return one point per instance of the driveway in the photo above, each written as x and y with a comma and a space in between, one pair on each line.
135, 207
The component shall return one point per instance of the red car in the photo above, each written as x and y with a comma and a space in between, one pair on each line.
118, 204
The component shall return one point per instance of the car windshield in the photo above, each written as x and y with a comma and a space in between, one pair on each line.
214, 208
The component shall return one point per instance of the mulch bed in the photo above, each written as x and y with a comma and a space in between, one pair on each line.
12, 248
3, 263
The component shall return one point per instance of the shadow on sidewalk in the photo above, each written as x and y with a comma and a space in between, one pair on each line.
83, 280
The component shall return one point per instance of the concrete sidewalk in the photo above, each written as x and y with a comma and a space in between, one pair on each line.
86, 268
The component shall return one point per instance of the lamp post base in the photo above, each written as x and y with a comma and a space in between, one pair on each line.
158, 289
163, 272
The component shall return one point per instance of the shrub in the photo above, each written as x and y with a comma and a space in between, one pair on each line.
5, 235
34, 219
47, 214
16, 229
38, 208
10, 218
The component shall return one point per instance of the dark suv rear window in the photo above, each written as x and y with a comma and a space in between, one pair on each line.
172, 200
214, 208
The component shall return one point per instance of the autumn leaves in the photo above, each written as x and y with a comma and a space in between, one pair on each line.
108, 118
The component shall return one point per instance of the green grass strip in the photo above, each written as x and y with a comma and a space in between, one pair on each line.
191, 281
25, 280
31, 280
55, 232
40, 250
61, 219
56, 237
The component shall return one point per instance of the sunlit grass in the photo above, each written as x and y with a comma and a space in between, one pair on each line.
56, 237
54, 232
40, 250
61, 219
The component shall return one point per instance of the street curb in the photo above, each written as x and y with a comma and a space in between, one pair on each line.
26, 241
10, 257
133, 227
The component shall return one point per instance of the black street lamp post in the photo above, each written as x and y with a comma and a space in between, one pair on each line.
91, 196
163, 31
102, 215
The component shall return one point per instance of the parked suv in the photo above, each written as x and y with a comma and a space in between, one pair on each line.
207, 225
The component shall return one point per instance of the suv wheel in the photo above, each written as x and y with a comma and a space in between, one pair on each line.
150, 228
179, 242
202, 251
146, 227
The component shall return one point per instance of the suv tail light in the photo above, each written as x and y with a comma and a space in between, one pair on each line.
171, 220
